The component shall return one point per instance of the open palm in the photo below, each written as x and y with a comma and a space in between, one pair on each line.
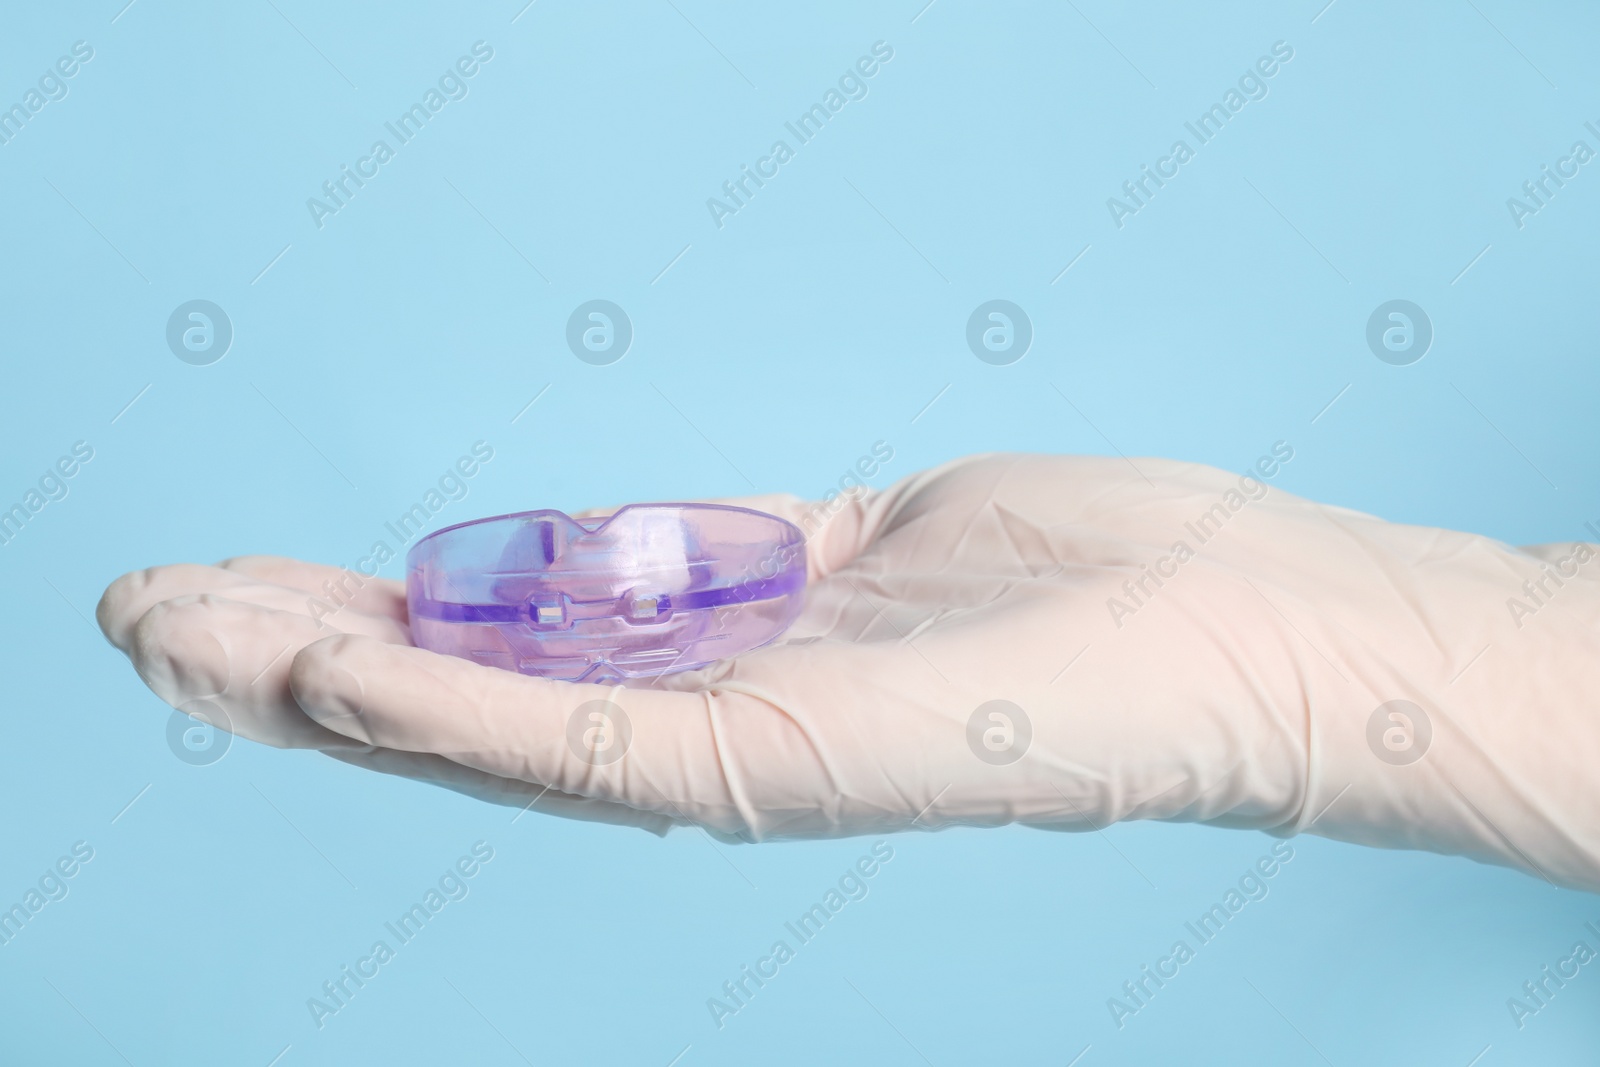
1053, 640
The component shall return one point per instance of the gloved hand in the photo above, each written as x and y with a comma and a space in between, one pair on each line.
1165, 641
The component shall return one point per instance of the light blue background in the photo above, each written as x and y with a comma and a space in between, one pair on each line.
821, 318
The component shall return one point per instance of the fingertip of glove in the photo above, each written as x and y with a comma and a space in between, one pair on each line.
324, 686
176, 654
109, 614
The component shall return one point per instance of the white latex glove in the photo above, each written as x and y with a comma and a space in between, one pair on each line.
1243, 690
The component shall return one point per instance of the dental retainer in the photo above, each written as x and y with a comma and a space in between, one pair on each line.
650, 590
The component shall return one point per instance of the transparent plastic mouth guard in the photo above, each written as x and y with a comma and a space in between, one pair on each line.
650, 590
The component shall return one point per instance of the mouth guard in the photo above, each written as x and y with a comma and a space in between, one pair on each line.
651, 590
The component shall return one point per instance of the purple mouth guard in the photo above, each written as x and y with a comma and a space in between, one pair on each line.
651, 590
